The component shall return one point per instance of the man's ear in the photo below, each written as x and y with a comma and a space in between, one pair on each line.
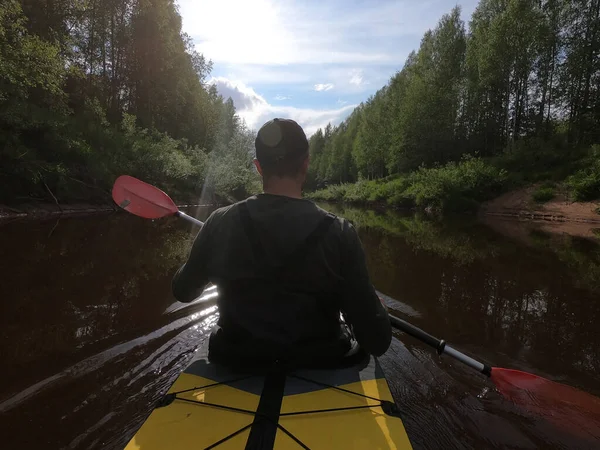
305, 165
257, 164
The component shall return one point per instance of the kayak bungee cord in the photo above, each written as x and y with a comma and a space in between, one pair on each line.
389, 408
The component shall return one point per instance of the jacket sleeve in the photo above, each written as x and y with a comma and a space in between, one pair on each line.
191, 278
360, 304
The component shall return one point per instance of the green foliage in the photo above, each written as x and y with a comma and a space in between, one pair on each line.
453, 187
429, 108
26, 61
543, 194
92, 90
456, 186
517, 89
230, 172
585, 184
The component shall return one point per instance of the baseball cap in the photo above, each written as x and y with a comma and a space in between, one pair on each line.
278, 140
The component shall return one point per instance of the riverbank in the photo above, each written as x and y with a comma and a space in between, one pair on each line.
42, 211
543, 185
455, 187
522, 204
519, 204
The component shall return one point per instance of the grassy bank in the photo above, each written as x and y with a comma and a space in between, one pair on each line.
453, 187
462, 186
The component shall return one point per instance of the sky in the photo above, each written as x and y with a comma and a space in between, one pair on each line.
311, 61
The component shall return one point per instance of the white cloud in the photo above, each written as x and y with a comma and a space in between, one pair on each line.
293, 46
341, 102
356, 77
280, 32
255, 110
282, 97
271, 75
271, 32
323, 87
306, 76
310, 119
244, 97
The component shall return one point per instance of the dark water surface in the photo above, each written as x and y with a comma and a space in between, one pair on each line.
91, 335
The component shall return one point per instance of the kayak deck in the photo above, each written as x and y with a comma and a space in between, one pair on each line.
210, 406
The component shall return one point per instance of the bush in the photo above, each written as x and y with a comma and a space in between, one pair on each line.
536, 159
385, 191
585, 183
401, 200
456, 186
543, 194
453, 187
332, 193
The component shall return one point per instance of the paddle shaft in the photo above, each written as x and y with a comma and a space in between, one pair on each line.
189, 218
439, 345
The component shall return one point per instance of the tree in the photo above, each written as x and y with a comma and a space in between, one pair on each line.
580, 72
90, 89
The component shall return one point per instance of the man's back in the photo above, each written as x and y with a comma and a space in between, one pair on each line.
284, 277
284, 267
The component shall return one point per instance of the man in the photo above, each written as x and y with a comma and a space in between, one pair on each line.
284, 268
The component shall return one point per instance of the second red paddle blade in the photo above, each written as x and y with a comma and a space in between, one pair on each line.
142, 199
570, 409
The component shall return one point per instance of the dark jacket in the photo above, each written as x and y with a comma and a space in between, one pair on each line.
277, 295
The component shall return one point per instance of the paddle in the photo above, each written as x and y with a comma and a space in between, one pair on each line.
561, 404
144, 200
440, 345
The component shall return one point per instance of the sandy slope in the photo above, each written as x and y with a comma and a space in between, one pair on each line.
520, 204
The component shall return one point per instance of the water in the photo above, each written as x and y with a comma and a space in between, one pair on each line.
91, 335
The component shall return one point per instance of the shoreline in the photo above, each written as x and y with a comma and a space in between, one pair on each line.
513, 205
539, 216
42, 211
518, 204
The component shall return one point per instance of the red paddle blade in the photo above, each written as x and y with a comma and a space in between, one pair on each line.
566, 407
142, 199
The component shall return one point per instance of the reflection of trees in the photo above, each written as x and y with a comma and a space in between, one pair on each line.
448, 238
89, 280
581, 256
537, 303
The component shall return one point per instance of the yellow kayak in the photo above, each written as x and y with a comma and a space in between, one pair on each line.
210, 406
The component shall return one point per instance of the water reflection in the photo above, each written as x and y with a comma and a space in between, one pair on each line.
526, 303
83, 316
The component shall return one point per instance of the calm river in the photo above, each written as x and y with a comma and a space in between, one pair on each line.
91, 334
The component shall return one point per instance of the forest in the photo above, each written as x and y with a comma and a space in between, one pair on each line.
93, 89
512, 99
90, 90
